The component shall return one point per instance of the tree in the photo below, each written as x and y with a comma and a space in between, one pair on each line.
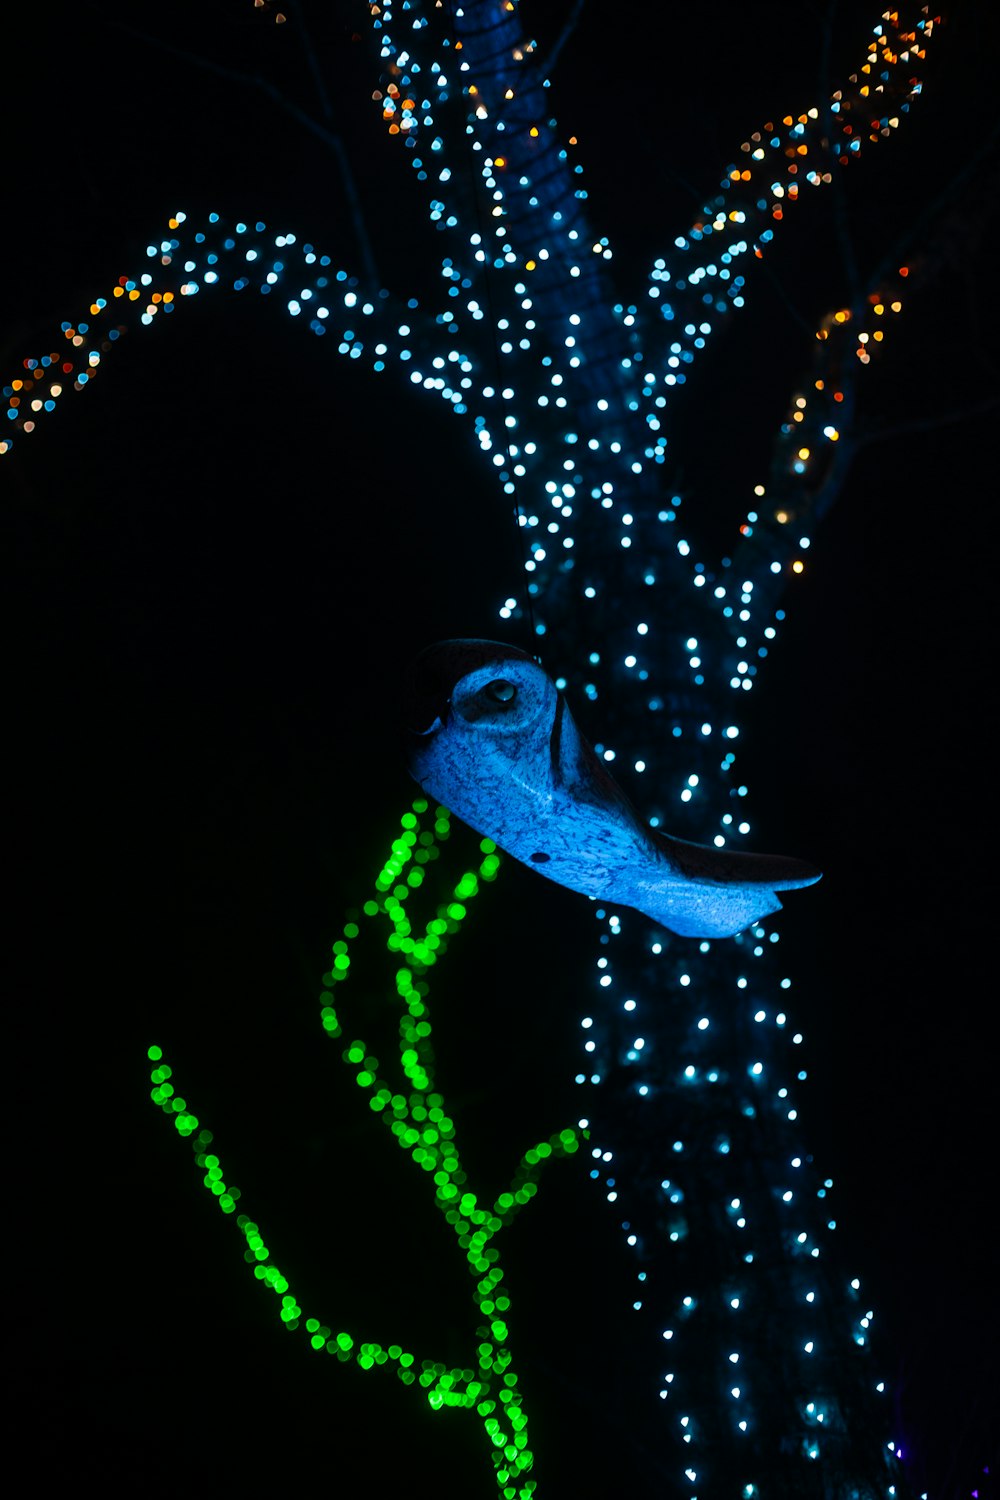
703, 1112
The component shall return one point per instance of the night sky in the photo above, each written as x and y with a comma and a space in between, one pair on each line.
217, 563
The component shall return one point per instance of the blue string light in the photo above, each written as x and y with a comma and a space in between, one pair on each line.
690, 1058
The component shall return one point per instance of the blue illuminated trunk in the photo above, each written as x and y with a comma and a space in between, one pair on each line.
750, 1363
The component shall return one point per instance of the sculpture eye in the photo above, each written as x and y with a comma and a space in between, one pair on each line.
501, 691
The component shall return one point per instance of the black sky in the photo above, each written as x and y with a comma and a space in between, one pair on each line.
216, 563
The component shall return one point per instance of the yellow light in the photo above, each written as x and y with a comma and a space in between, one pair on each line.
781, 517
797, 566
803, 452
533, 130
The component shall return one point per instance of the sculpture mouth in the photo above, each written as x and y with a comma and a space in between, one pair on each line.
426, 716
431, 728
427, 699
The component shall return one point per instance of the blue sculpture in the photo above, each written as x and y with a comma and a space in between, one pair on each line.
489, 735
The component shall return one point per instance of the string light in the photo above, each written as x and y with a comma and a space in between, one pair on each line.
416, 1115
567, 386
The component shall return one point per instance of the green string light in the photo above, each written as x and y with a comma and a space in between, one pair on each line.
416, 1115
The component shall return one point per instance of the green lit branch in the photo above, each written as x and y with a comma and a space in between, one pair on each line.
415, 1113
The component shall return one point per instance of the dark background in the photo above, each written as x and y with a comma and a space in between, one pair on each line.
216, 563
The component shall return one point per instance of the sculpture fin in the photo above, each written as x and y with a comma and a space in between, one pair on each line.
720, 891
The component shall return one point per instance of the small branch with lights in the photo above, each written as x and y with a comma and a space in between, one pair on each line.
415, 1113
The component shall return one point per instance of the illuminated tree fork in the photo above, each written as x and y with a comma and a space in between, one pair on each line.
746, 1328
416, 1115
